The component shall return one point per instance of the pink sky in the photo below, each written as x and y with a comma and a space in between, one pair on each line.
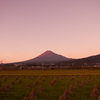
67, 27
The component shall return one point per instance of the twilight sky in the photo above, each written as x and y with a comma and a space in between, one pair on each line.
67, 27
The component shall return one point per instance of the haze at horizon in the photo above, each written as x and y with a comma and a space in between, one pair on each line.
67, 27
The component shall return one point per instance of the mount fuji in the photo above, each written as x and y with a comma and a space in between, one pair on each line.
47, 57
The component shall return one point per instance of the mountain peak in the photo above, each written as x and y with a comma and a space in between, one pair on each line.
47, 53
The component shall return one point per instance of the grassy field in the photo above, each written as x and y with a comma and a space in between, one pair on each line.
61, 80
52, 72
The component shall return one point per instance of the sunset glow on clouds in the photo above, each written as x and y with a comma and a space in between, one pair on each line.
67, 27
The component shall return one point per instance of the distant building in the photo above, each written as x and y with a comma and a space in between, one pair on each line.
17, 64
33, 67
97, 65
0, 68
20, 68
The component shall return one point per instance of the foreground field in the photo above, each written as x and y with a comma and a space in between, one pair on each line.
52, 72
50, 84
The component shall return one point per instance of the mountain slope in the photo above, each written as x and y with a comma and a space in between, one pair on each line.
47, 57
89, 60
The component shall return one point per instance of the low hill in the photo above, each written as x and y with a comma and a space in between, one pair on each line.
89, 60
